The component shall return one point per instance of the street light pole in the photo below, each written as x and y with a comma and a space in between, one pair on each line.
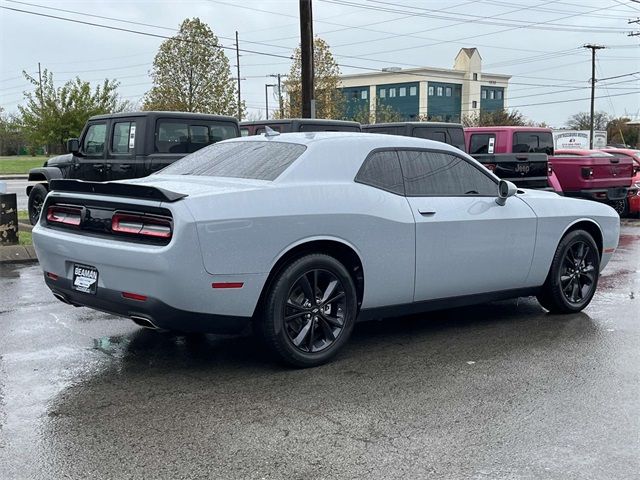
593, 88
306, 56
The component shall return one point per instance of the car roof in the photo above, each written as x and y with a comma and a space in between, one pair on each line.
156, 114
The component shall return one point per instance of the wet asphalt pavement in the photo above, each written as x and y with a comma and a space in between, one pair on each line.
499, 391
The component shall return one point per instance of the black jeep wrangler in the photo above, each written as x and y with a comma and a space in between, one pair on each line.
128, 145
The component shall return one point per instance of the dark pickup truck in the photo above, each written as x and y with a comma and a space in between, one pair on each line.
128, 145
287, 125
450, 133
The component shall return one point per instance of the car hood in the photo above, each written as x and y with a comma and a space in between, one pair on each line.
194, 185
60, 160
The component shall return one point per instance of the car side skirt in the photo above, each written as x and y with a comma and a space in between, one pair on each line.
442, 304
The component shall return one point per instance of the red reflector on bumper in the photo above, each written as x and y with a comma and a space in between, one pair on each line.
227, 284
52, 276
134, 296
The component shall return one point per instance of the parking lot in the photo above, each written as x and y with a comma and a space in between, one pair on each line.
502, 390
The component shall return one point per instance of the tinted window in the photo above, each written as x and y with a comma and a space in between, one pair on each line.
537, 142
430, 134
261, 130
255, 160
124, 137
94, 140
175, 136
387, 130
310, 127
382, 170
480, 143
436, 173
457, 137
244, 132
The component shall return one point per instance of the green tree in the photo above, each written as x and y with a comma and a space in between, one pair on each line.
619, 132
495, 118
12, 138
383, 113
52, 115
191, 74
581, 121
326, 84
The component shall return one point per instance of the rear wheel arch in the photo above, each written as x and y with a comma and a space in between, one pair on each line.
339, 250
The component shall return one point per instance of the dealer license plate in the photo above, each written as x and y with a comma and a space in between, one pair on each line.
85, 278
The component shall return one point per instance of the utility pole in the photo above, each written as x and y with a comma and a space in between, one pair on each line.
266, 96
280, 98
306, 54
593, 87
238, 66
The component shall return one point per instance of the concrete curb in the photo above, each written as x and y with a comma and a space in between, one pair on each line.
14, 177
17, 254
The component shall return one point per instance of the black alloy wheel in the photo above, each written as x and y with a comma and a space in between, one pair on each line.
36, 200
573, 276
578, 274
309, 310
315, 310
621, 207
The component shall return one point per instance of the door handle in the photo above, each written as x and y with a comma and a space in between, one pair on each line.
425, 212
125, 166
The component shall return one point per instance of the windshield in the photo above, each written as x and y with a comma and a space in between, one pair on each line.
253, 160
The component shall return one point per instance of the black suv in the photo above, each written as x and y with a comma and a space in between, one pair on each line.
128, 145
298, 125
451, 133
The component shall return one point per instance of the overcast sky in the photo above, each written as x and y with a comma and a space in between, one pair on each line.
537, 42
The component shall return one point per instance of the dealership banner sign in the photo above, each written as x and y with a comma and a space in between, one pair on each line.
578, 139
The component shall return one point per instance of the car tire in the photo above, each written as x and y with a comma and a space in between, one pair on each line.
573, 276
36, 200
621, 207
307, 332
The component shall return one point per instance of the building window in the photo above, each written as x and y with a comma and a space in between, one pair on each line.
498, 94
383, 93
413, 91
447, 92
491, 94
484, 94
475, 76
402, 92
474, 104
431, 91
363, 94
439, 91
392, 92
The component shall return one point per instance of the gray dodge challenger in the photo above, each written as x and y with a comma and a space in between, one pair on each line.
302, 234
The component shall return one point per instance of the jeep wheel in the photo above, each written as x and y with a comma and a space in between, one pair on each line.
36, 201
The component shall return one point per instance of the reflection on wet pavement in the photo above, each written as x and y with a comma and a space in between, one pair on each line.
502, 390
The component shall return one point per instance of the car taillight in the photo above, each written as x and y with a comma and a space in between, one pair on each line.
64, 215
139, 224
587, 172
490, 166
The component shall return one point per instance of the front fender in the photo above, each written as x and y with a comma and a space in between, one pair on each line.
43, 174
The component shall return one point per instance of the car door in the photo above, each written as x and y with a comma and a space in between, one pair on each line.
465, 242
121, 159
92, 164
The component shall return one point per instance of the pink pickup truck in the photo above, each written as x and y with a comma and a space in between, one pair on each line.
577, 173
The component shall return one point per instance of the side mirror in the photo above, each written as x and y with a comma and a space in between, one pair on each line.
505, 190
73, 145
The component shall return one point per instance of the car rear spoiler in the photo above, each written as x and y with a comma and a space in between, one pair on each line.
129, 190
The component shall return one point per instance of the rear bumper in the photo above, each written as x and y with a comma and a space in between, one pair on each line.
153, 310
600, 194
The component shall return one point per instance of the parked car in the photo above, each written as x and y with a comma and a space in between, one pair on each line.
517, 154
633, 197
594, 175
298, 125
128, 145
304, 233
450, 133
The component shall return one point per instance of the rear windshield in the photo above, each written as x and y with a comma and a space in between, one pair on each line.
533, 142
254, 160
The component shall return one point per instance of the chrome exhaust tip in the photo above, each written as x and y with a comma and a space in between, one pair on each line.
144, 322
61, 297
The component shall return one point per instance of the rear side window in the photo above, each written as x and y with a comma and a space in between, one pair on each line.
457, 137
482, 143
430, 134
261, 130
253, 160
382, 170
175, 136
537, 142
439, 173
387, 130
124, 137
